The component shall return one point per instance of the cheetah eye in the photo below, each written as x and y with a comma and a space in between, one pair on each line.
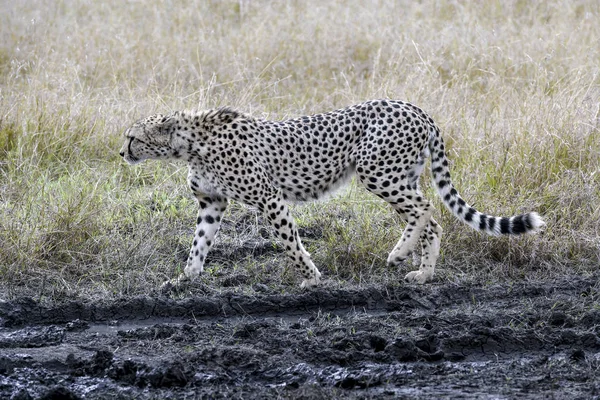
135, 139
131, 140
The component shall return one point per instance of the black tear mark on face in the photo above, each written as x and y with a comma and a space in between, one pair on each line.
129, 151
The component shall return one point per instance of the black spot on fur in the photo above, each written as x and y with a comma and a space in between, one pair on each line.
469, 214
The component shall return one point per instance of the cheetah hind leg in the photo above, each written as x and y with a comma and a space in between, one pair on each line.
417, 217
430, 244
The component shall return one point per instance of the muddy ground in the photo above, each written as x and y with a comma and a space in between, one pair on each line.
525, 340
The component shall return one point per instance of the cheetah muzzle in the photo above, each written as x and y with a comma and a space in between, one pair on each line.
262, 163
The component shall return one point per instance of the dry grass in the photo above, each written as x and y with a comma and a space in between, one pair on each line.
514, 85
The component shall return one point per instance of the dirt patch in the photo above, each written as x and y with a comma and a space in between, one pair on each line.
503, 341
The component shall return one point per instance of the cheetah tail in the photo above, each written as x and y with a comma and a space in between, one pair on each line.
496, 226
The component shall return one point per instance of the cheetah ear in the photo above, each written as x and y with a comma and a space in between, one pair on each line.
167, 124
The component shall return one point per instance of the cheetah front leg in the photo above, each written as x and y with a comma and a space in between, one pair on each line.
279, 217
210, 212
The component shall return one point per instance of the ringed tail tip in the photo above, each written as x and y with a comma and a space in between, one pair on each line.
536, 223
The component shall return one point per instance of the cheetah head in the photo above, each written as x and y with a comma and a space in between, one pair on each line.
150, 138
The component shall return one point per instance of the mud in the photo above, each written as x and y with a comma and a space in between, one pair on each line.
526, 340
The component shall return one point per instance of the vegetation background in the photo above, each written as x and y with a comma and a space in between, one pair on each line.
514, 86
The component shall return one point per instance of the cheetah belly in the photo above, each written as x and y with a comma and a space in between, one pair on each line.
314, 185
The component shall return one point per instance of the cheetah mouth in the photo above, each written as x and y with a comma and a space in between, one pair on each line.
129, 157
131, 160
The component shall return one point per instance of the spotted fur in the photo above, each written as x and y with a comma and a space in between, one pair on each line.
262, 163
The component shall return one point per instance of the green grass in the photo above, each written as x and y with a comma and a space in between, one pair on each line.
514, 86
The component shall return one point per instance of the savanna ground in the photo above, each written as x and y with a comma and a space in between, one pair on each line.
86, 240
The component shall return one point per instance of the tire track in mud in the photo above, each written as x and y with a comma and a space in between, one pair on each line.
502, 341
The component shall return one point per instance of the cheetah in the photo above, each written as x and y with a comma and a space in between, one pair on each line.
262, 163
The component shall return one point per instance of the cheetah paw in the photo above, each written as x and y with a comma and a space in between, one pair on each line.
312, 281
421, 276
175, 284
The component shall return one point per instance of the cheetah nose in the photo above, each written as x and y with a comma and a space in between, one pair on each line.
122, 153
